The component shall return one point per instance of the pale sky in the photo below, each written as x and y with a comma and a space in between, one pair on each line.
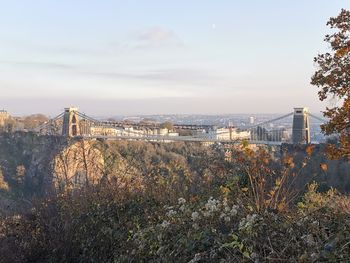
160, 57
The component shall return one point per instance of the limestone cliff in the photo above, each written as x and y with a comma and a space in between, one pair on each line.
78, 164
35, 166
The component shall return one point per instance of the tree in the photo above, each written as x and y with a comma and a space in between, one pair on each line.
167, 125
32, 121
9, 125
333, 78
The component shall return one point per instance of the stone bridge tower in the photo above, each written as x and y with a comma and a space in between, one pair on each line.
301, 128
70, 127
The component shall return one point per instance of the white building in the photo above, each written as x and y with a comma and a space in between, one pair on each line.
173, 134
228, 134
104, 131
130, 132
163, 131
4, 116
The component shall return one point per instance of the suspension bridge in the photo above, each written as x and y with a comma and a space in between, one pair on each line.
72, 123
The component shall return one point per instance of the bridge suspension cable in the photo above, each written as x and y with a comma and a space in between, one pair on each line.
92, 128
86, 117
48, 123
318, 118
270, 121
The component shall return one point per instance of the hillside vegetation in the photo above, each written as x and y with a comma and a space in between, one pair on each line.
95, 201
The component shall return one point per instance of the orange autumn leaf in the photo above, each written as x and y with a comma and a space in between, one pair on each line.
224, 190
324, 166
288, 161
343, 51
310, 149
245, 189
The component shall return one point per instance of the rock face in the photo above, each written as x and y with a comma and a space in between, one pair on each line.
36, 166
78, 164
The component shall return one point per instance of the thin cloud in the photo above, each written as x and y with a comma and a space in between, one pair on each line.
38, 64
156, 37
199, 78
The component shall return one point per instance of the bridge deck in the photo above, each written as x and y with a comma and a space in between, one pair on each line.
178, 138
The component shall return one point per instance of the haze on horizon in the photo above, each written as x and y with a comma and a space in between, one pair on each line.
160, 57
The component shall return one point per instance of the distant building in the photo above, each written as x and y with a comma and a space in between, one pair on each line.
227, 134
131, 132
173, 134
4, 116
163, 131
104, 131
240, 135
251, 120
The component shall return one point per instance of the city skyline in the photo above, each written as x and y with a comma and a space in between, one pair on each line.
153, 57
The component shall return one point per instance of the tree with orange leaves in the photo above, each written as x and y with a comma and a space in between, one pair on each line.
333, 78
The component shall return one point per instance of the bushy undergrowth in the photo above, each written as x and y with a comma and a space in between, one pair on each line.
210, 207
